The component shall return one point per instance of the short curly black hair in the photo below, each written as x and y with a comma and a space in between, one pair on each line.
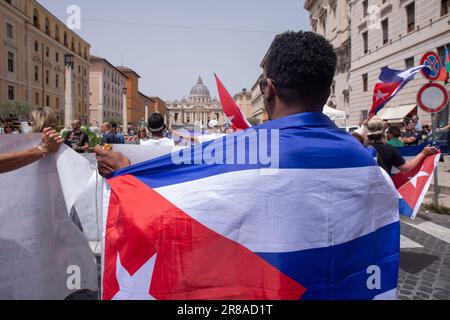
302, 65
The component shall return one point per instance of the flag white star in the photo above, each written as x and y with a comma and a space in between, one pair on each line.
136, 287
380, 95
413, 180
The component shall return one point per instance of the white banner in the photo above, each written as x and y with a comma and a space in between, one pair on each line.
43, 255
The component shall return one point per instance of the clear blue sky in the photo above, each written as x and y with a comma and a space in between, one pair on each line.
171, 42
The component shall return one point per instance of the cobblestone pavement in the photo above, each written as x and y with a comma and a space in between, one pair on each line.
425, 258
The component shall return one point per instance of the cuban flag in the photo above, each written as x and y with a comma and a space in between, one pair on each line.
230, 108
319, 221
389, 84
413, 186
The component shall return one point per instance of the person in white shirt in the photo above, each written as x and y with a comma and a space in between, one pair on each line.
212, 134
156, 126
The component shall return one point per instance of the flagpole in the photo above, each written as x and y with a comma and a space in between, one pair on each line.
436, 180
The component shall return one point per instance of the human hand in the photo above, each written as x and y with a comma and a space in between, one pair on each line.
110, 161
428, 151
51, 141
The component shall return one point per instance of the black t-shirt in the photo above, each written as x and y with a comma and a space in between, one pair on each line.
388, 157
77, 138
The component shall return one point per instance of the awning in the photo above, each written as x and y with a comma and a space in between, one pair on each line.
396, 114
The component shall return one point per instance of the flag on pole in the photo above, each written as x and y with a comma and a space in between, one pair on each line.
390, 82
445, 69
304, 227
230, 108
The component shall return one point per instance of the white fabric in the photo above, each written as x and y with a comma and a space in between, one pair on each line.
397, 113
259, 225
210, 137
334, 114
160, 142
39, 243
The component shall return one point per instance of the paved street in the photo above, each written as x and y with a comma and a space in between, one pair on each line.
425, 258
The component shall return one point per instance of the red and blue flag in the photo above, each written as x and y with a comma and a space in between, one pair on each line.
322, 223
390, 83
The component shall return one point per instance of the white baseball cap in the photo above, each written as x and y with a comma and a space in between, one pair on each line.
213, 123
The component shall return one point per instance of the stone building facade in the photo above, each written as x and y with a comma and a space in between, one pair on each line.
243, 100
34, 46
395, 34
331, 19
106, 92
198, 109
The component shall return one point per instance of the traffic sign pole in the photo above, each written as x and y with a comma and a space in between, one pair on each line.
436, 179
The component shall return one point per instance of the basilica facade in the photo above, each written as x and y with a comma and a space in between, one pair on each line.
198, 109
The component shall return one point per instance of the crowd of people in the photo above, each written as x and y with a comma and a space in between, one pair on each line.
382, 140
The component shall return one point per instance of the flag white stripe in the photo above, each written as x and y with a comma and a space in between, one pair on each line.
296, 209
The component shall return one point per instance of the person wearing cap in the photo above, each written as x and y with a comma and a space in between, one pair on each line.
361, 135
156, 126
387, 155
213, 132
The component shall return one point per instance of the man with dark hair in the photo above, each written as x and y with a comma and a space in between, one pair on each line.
329, 197
299, 72
157, 127
77, 139
393, 134
116, 132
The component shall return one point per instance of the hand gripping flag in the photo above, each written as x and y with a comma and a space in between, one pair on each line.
390, 82
230, 108
413, 186
292, 209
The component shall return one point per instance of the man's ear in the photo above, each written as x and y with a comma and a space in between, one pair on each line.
270, 91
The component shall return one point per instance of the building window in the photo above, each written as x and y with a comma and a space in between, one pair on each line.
35, 18
57, 80
47, 77
11, 93
47, 101
57, 33
364, 114
47, 52
65, 38
57, 56
36, 73
365, 82
36, 98
444, 7
385, 27
9, 31
365, 42
411, 17
47, 26
10, 61
57, 103
365, 7
36, 46
409, 63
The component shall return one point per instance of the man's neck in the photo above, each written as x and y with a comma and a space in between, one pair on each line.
286, 110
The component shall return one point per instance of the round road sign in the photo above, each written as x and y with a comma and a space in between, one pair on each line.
433, 62
432, 97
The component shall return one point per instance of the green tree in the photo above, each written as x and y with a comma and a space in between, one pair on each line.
253, 121
14, 111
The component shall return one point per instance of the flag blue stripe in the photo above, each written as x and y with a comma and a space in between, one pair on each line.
348, 262
404, 208
306, 141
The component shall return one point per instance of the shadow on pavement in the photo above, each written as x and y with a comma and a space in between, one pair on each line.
414, 262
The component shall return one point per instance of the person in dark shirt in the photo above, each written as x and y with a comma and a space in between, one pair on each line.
77, 139
411, 137
387, 155
109, 136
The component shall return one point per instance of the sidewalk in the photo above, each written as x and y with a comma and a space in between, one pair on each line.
444, 177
